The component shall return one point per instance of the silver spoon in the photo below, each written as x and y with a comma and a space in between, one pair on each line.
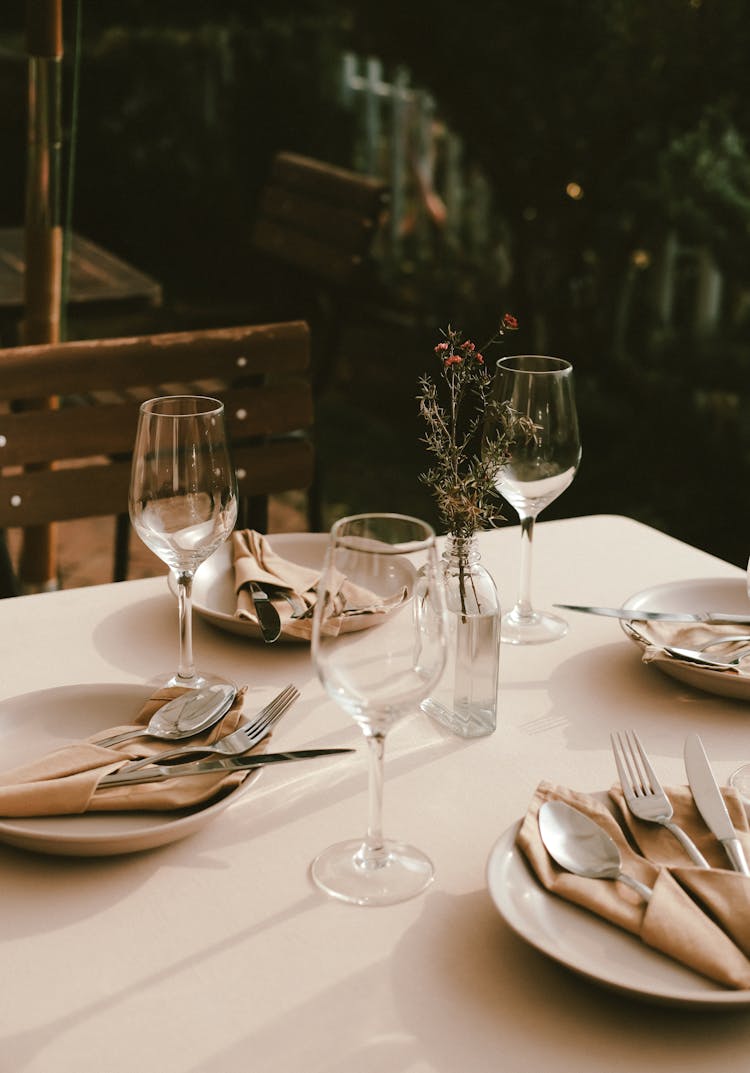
188, 714
689, 655
581, 846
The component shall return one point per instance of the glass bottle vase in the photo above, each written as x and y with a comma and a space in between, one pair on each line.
465, 699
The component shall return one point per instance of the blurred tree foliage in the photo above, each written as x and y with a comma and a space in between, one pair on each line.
642, 106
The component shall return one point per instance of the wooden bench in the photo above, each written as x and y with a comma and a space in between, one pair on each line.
74, 461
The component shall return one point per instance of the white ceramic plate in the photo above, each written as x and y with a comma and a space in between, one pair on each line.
213, 588
702, 594
36, 723
588, 945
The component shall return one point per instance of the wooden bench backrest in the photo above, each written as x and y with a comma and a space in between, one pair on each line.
261, 373
318, 218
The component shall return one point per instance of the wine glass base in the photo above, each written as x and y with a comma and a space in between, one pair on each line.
170, 679
538, 628
401, 873
740, 781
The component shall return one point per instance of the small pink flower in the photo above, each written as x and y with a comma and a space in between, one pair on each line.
509, 322
479, 358
453, 359
468, 345
441, 347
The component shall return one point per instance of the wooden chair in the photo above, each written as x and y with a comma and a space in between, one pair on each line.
314, 231
74, 461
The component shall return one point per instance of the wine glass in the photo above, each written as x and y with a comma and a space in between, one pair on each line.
377, 674
183, 499
540, 467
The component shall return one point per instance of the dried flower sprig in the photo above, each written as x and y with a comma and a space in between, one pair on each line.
468, 450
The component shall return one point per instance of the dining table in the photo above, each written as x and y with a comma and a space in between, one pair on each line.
215, 951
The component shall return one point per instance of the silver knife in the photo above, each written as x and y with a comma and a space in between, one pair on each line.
160, 772
717, 618
267, 615
711, 805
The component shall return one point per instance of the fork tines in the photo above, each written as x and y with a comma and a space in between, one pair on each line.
637, 777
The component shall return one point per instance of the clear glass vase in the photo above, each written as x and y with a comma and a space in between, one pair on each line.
465, 699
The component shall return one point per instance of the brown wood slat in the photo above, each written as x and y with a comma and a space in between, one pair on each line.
75, 432
62, 494
306, 253
331, 222
88, 491
72, 368
364, 193
96, 275
273, 467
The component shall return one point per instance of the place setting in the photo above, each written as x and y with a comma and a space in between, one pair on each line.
642, 889
696, 631
73, 782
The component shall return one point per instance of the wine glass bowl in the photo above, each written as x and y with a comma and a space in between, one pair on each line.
540, 466
183, 499
377, 676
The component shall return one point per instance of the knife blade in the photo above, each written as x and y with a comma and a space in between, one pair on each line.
266, 613
716, 618
160, 772
711, 805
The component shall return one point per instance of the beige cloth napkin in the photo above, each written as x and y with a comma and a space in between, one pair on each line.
672, 921
64, 782
654, 635
256, 561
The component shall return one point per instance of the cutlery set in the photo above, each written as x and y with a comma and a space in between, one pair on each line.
687, 655
226, 754
267, 615
158, 772
579, 845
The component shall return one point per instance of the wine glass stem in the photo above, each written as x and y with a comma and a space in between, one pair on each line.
373, 853
185, 665
524, 608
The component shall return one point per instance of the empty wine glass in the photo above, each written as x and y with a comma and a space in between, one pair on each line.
539, 469
378, 674
183, 499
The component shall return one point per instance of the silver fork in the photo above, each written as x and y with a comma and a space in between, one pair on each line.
234, 744
644, 793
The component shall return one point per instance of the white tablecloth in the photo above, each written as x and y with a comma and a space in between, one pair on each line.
218, 953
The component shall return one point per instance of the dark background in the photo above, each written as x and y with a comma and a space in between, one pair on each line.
643, 105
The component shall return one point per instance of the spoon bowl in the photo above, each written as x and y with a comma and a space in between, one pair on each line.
581, 846
183, 716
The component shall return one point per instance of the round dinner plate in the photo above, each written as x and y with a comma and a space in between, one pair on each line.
701, 594
36, 723
215, 601
589, 946
214, 598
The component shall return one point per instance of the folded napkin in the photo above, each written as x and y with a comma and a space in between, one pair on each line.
654, 635
256, 561
64, 782
724, 893
672, 922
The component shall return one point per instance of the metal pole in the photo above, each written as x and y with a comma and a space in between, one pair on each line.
44, 233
